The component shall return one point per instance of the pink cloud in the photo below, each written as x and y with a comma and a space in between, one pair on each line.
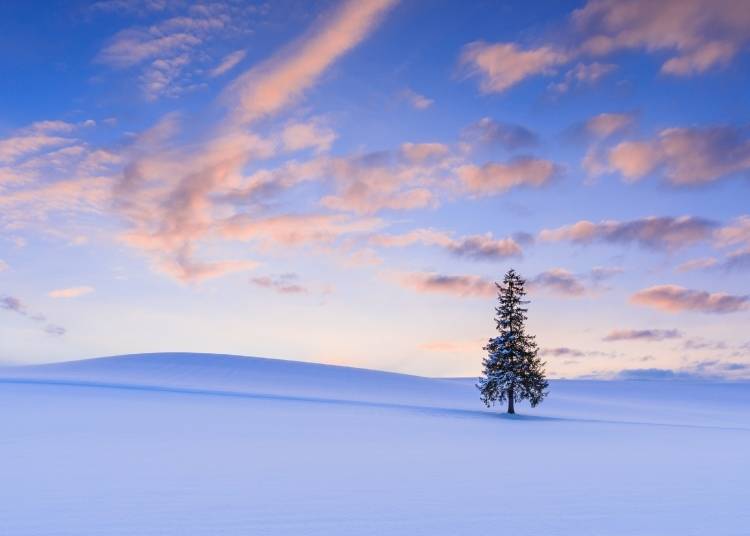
307, 135
687, 155
493, 178
421, 152
277, 82
738, 232
71, 292
697, 34
701, 34
673, 299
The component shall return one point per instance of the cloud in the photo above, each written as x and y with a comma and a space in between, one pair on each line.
738, 232
558, 281
686, 156
739, 260
417, 101
494, 178
15, 305
464, 286
562, 351
169, 53
607, 124
228, 63
697, 264
697, 35
277, 82
33, 139
500, 66
297, 229
489, 132
642, 335
54, 329
477, 247
602, 273
421, 152
283, 284
583, 74
700, 34
3, 265
10, 303
307, 135
369, 183
673, 299
651, 232
565, 283
72, 292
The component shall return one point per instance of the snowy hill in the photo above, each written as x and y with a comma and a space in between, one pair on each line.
197, 444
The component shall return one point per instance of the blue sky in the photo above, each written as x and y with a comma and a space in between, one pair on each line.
343, 181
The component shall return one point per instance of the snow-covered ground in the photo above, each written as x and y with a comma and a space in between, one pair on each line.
187, 444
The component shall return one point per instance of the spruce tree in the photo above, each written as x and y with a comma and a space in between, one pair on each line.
512, 369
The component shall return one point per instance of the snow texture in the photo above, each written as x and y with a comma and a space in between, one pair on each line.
189, 444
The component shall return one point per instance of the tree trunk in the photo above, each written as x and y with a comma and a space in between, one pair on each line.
511, 409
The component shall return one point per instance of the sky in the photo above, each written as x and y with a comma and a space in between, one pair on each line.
344, 181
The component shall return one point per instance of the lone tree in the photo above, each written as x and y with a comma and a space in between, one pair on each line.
512, 369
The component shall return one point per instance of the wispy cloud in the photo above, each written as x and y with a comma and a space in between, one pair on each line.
492, 133
15, 305
283, 78
416, 100
642, 335
477, 247
71, 292
283, 284
228, 63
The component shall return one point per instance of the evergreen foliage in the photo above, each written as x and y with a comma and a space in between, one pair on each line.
512, 369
